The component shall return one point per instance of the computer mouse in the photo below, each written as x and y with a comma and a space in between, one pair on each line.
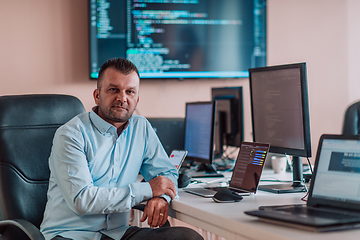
183, 180
225, 195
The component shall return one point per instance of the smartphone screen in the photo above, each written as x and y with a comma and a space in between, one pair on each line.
177, 157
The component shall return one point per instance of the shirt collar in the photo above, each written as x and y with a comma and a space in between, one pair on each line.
102, 125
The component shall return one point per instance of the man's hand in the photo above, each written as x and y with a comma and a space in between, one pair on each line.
162, 185
156, 211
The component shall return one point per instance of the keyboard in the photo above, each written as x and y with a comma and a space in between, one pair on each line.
209, 175
214, 188
318, 212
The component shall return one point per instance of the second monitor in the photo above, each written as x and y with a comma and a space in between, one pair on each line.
199, 135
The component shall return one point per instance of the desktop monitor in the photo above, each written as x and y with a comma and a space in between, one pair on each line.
179, 39
229, 126
199, 132
280, 115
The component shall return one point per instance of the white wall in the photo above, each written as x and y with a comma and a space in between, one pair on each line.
316, 32
353, 41
44, 49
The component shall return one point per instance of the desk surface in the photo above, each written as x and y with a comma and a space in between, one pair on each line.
229, 221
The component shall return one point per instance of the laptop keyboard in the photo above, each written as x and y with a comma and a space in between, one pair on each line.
218, 188
214, 188
323, 213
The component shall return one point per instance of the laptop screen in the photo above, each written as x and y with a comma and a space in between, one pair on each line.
248, 166
338, 171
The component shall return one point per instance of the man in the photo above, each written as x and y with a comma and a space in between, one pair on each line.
94, 164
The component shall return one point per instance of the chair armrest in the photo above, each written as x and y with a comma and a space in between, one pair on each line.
25, 226
141, 207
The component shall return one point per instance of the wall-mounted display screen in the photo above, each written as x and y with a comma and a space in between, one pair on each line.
179, 38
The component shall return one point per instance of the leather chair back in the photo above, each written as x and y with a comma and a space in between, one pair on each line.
27, 127
351, 125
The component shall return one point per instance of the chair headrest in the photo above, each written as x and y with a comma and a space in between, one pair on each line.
38, 109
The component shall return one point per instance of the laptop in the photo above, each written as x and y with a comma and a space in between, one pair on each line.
246, 173
334, 195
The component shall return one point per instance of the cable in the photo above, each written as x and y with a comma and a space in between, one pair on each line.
309, 165
304, 198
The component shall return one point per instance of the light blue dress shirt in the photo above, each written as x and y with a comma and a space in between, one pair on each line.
92, 185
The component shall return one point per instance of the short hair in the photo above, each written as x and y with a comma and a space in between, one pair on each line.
120, 64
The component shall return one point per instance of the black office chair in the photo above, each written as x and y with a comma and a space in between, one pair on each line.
351, 124
27, 127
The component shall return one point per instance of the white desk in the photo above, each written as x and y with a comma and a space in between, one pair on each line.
229, 221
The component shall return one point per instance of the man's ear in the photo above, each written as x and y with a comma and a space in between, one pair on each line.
137, 102
96, 96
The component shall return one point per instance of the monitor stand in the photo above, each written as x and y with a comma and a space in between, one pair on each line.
206, 170
228, 163
296, 186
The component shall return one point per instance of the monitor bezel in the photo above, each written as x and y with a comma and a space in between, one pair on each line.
306, 152
180, 75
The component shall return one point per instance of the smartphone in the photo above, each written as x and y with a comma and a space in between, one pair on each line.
177, 157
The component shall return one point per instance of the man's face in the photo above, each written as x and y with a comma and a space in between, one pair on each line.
117, 97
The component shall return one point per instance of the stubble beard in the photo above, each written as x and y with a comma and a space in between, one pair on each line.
117, 116
112, 114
